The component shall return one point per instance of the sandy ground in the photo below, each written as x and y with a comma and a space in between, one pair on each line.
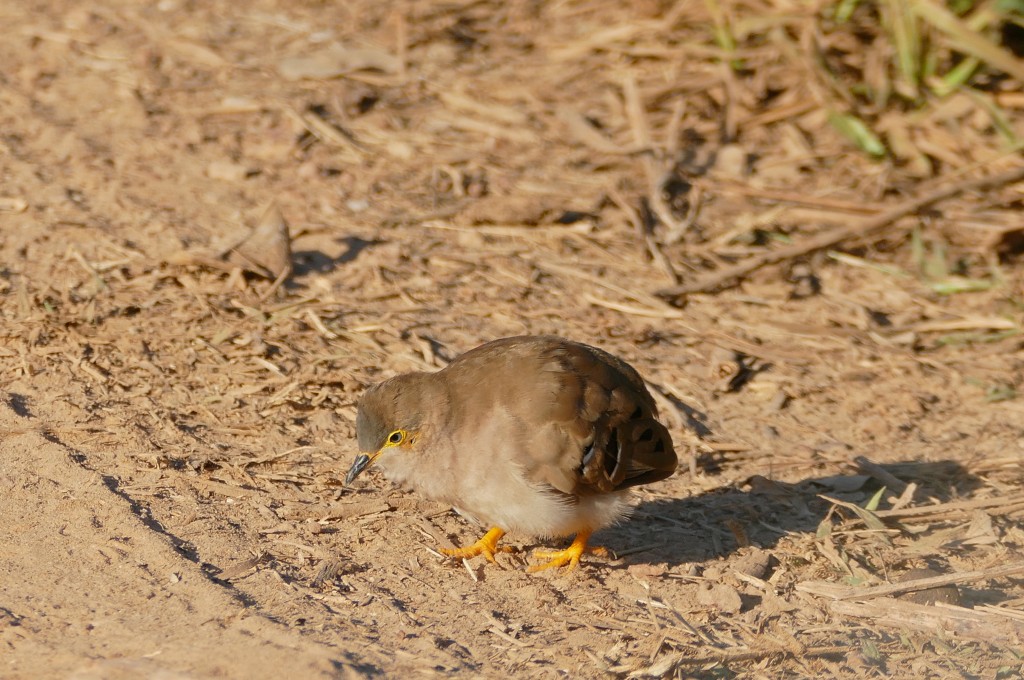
174, 430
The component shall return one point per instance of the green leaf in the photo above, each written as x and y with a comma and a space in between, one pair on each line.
975, 337
857, 131
855, 261
824, 528
968, 41
906, 37
1010, 6
871, 651
872, 504
844, 10
959, 284
1000, 392
956, 76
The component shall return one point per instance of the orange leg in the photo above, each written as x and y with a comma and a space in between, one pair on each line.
486, 546
570, 556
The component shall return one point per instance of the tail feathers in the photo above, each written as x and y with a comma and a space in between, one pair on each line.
635, 452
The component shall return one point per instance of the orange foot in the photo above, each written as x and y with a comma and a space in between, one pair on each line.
570, 556
486, 546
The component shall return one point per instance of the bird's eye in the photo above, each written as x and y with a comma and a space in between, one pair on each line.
396, 437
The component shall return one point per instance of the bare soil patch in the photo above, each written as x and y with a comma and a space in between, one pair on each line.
175, 423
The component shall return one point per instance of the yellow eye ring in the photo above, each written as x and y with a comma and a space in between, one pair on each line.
396, 438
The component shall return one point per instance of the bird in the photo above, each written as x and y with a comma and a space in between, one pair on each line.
532, 434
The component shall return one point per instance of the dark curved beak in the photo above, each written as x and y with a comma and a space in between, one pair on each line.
361, 462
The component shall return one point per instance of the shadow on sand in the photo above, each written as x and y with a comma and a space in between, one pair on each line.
715, 524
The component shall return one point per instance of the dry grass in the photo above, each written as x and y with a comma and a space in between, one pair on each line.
800, 221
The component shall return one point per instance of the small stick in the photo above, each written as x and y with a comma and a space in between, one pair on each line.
857, 593
830, 238
946, 621
795, 198
469, 568
954, 506
875, 470
730, 656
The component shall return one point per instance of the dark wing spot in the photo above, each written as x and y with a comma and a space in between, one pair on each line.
612, 461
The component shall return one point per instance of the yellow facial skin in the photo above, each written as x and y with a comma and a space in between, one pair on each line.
363, 461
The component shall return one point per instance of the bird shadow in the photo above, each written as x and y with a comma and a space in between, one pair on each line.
306, 262
761, 511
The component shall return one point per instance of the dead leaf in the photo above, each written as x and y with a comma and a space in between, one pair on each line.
337, 60
266, 251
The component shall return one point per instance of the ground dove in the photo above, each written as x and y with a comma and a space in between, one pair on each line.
532, 434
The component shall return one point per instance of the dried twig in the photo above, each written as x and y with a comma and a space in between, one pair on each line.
936, 619
962, 507
735, 656
869, 467
828, 239
835, 592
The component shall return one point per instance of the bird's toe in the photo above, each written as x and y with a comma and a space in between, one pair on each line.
487, 546
570, 557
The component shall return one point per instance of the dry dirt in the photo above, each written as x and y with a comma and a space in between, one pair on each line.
173, 430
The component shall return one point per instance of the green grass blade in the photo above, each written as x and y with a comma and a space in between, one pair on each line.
857, 131
967, 40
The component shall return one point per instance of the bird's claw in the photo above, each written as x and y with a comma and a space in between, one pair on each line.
569, 557
487, 546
